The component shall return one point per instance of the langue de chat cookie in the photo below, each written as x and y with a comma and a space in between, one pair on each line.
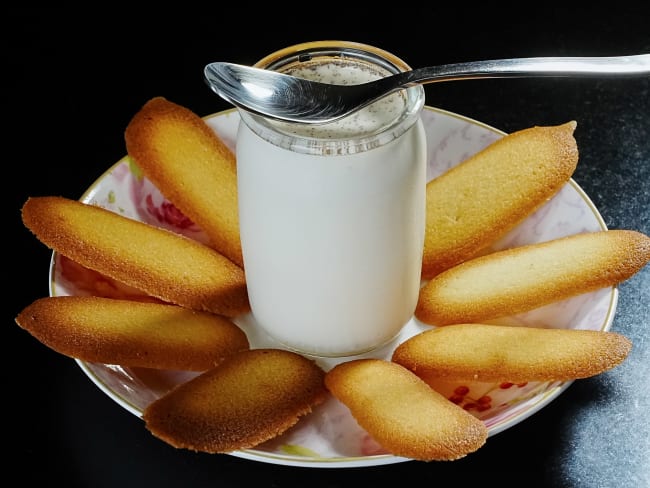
483, 352
478, 201
132, 334
526, 277
191, 166
251, 397
404, 414
161, 263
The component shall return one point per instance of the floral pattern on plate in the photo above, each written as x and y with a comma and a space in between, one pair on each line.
329, 436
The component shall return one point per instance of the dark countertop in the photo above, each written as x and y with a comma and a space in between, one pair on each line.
72, 81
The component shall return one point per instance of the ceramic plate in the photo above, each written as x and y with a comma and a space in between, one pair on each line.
329, 436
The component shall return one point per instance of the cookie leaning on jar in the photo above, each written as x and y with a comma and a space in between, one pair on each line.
161, 263
523, 278
191, 166
478, 201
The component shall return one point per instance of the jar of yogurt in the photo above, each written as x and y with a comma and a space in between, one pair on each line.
332, 216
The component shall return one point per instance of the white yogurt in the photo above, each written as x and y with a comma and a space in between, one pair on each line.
332, 221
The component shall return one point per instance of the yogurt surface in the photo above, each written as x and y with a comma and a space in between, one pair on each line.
368, 120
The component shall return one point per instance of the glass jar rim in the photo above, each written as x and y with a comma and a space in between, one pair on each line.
290, 58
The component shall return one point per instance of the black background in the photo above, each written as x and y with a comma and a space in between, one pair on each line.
73, 78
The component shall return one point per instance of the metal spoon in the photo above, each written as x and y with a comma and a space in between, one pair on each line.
284, 97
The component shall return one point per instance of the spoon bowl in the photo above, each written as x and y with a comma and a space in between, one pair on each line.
291, 99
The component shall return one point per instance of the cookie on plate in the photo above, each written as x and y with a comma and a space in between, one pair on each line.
161, 263
526, 277
251, 397
478, 201
133, 334
402, 413
481, 352
191, 166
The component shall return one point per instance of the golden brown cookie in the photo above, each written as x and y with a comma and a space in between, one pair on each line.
402, 413
523, 278
475, 203
134, 334
161, 263
480, 352
251, 397
191, 166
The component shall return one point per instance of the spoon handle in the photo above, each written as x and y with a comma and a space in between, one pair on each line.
638, 64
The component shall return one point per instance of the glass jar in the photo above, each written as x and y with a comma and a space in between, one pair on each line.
332, 216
